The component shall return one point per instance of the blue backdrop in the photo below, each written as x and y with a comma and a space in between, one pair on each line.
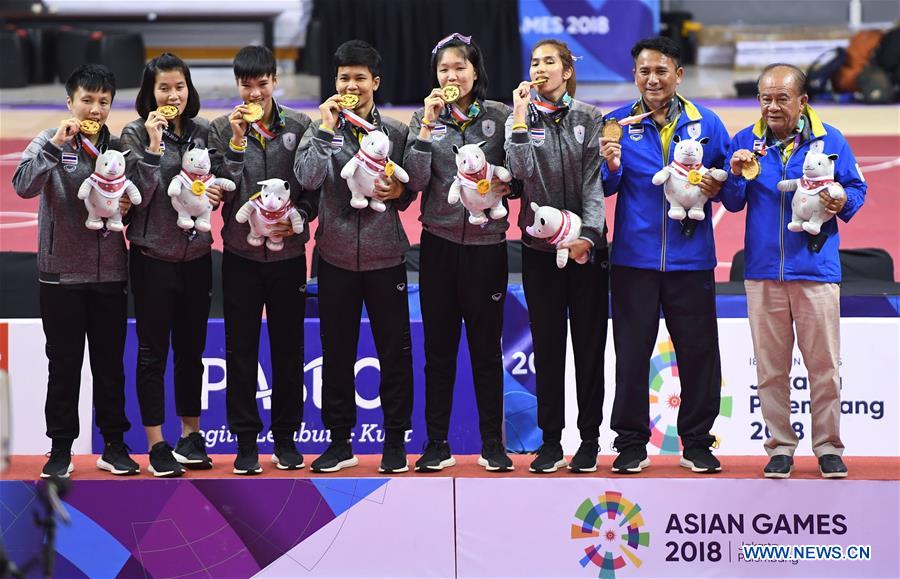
601, 32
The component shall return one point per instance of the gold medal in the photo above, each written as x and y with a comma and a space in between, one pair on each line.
255, 112
89, 127
612, 130
451, 93
198, 188
169, 112
349, 101
389, 168
751, 169
539, 81
694, 177
483, 186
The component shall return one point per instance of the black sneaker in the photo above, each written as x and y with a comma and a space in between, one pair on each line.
780, 466
191, 452
549, 459
585, 460
832, 466
59, 464
337, 456
493, 457
247, 459
436, 457
631, 460
393, 458
163, 462
286, 456
700, 460
115, 459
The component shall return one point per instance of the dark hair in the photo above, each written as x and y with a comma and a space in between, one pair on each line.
799, 76
565, 55
470, 52
146, 99
93, 78
358, 53
661, 44
254, 62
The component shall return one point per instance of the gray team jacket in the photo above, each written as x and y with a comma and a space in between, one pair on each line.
68, 252
432, 167
559, 166
153, 223
256, 164
352, 239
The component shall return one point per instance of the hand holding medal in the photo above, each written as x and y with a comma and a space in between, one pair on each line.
67, 130
746, 164
610, 144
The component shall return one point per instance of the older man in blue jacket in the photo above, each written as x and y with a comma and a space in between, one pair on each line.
792, 278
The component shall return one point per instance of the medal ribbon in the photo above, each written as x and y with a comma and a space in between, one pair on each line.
682, 169
89, 147
486, 172
273, 216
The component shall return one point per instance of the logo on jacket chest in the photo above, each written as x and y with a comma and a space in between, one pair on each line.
439, 132
70, 161
489, 128
537, 137
579, 133
337, 142
289, 140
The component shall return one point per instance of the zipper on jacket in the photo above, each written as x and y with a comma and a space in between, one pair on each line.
52, 228
662, 257
781, 225
358, 242
562, 163
465, 221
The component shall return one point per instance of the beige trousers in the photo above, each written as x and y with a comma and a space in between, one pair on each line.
814, 308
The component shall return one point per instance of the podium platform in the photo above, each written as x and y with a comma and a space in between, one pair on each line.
463, 522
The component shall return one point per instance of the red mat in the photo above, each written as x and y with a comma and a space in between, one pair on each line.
733, 467
873, 226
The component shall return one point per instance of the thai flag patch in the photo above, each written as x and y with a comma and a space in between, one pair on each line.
337, 142
69, 159
439, 132
537, 136
760, 146
635, 129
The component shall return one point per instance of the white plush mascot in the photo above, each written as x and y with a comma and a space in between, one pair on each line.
368, 163
266, 208
556, 227
102, 190
472, 184
682, 179
187, 189
807, 211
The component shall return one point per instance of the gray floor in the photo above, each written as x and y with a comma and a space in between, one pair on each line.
217, 84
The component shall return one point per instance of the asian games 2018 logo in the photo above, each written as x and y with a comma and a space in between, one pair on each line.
616, 523
665, 400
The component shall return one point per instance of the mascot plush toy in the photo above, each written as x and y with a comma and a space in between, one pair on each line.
556, 227
266, 208
362, 170
102, 190
807, 211
472, 184
187, 189
682, 179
